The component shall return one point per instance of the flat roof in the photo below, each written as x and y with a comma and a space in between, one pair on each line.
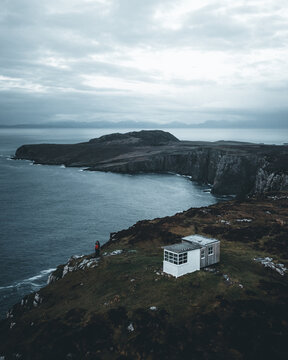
202, 240
182, 247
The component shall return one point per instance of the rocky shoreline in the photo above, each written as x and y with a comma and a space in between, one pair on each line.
231, 168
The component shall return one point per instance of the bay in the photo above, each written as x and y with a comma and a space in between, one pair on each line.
49, 213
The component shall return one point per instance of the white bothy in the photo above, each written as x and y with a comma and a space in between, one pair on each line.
193, 253
192, 264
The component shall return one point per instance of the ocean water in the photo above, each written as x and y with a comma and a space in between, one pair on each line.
48, 213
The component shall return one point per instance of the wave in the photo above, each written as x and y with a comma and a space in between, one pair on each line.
7, 157
29, 281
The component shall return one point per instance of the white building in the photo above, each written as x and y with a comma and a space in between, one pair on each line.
193, 253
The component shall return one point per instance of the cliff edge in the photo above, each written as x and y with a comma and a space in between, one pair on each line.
230, 167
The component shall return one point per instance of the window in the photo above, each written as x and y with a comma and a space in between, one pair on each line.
175, 258
202, 253
171, 257
210, 250
182, 258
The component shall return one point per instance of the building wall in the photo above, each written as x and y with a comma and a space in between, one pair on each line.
193, 264
170, 268
211, 259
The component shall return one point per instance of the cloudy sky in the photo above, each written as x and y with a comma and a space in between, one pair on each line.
154, 60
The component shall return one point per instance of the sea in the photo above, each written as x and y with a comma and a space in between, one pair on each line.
49, 213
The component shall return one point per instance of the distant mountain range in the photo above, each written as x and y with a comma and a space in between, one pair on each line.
253, 124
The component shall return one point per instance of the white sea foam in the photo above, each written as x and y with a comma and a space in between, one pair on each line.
29, 281
7, 287
39, 276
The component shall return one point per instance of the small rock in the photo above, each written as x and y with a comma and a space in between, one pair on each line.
226, 277
9, 314
268, 262
130, 327
37, 300
226, 222
116, 252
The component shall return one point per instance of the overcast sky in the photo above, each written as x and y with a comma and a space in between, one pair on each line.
143, 60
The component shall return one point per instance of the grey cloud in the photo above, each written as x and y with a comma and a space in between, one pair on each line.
207, 28
29, 33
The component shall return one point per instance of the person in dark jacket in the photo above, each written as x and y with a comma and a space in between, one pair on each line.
97, 249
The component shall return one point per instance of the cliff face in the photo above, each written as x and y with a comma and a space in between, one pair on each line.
228, 171
270, 181
231, 168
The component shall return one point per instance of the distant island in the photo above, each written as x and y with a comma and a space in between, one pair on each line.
233, 168
279, 122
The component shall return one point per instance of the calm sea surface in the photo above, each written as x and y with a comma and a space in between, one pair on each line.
48, 213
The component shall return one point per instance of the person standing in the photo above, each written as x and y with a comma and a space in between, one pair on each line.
97, 249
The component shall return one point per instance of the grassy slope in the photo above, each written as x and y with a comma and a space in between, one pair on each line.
200, 315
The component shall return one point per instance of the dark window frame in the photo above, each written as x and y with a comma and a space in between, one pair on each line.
176, 259
210, 250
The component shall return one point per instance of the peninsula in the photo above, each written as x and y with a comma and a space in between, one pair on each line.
230, 167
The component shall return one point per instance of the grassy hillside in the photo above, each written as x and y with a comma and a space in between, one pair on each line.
126, 308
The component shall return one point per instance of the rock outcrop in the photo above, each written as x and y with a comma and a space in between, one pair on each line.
230, 167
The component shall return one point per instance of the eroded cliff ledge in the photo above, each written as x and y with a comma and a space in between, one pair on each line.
230, 167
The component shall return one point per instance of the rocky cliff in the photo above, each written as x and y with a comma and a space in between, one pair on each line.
230, 167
